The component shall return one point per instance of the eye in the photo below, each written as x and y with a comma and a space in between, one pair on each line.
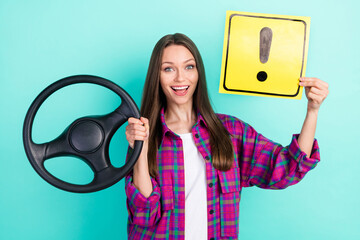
191, 66
168, 69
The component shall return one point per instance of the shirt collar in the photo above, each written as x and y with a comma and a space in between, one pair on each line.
165, 128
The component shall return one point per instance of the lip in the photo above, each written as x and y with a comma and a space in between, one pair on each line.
180, 90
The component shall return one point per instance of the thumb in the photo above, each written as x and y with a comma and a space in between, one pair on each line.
145, 121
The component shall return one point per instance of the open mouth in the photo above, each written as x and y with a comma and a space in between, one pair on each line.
180, 90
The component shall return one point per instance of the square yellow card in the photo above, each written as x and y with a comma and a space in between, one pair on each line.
264, 54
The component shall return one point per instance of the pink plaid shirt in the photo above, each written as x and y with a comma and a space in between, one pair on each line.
257, 161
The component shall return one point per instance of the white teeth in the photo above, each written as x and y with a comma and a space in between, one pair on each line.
180, 88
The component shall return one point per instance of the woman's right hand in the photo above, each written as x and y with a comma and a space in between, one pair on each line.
138, 129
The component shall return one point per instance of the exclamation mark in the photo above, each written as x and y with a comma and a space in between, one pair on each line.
265, 44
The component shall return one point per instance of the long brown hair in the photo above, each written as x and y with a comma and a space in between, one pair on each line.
153, 99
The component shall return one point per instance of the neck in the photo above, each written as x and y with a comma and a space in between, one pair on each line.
180, 113
180, 119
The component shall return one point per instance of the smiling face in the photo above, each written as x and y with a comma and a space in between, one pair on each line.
178, 75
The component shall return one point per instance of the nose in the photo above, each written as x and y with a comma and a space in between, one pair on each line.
180, 76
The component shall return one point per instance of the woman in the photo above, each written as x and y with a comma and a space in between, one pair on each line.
187, 181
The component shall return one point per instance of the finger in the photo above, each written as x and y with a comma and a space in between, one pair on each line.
146, 123
315, 90
132, 138
311, 79
307, 81
134, 120
312, 96
144, 120
314, 84
134, 132
136, 138
139, 127
318, 98
321, 92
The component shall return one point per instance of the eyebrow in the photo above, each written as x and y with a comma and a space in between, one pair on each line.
191, 59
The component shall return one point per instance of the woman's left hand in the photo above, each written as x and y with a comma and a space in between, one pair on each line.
316, 91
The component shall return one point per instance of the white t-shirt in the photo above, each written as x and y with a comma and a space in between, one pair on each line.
195, 190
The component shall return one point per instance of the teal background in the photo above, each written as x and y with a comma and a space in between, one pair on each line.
43, 41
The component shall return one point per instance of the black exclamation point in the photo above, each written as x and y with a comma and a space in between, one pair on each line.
265, 44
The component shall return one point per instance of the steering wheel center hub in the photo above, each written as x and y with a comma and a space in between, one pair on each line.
86, 136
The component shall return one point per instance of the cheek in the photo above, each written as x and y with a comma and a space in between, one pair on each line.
166, 78
164, 86
193, 76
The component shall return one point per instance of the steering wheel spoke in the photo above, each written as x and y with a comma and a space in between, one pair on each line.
38, 151
111, 122
125, 109
58, 147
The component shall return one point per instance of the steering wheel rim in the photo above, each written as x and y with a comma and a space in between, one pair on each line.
87, 138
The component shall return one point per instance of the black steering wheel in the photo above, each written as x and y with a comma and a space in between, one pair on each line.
87, 138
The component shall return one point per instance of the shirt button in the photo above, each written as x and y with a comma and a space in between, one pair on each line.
207, 158
210, 184
212, 238
211, 211
197, 135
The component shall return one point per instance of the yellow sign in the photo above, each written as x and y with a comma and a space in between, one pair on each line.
264, 54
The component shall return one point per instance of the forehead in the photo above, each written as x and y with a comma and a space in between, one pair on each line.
176, 53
